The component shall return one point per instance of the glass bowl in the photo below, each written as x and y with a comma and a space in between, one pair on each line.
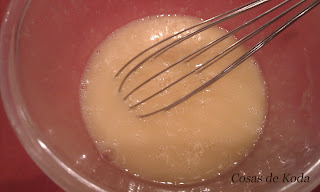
45, 45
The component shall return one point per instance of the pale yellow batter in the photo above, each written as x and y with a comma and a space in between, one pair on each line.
194, 141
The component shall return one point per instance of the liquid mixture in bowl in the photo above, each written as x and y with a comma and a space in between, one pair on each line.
198, 139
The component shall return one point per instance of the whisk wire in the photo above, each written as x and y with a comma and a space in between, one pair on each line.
257, 47
203, 49
176, 34
220, 18
229, 16
250, 35
179, 40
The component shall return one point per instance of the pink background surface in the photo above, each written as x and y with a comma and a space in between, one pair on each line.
17, 171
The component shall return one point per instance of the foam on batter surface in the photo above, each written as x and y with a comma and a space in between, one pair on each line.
203, 137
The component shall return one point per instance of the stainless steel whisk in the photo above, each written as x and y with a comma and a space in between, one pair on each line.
206, 25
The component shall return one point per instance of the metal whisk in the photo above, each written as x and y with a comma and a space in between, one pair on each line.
164, 46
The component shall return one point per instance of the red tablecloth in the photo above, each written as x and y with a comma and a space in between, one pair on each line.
18, 172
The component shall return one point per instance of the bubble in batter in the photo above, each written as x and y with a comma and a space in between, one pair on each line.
194, 141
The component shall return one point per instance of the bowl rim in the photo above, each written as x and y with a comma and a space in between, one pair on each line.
44, 158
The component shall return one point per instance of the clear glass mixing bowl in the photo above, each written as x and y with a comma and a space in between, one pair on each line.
46, 44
